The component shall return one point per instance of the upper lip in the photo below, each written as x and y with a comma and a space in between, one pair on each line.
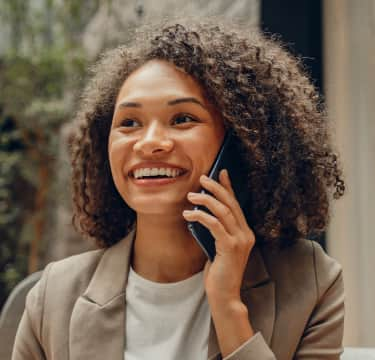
153, 164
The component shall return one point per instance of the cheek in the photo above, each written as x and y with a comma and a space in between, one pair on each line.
117, 151
202, 151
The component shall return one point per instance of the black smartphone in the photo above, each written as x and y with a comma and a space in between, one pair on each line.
228, 158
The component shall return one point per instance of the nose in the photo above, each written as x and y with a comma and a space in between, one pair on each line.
154, 140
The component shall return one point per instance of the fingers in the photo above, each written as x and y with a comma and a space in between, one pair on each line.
212, 223
218, 209
227, 222
224, 193
225, 181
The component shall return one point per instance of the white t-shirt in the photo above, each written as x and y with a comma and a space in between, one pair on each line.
166, 320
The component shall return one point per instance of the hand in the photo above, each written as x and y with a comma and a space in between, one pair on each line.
234, 239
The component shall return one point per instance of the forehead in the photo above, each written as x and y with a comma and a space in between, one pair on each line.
159, 78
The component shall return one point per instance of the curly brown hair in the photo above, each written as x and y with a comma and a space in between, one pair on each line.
263, 94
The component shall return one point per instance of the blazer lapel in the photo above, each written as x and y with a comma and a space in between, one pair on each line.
97, 326
258, 293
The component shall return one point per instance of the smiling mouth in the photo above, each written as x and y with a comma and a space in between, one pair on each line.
157, 180
159, 177
131, 174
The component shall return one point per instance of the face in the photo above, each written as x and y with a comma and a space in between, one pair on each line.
162, 117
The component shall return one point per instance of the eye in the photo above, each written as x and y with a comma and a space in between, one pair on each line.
179, 119
124, 122
184, 117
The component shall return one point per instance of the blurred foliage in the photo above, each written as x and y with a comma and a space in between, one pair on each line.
42, 67
13, 258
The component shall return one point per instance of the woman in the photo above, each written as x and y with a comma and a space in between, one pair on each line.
148, 292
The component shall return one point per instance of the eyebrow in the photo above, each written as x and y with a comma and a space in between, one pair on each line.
172, 102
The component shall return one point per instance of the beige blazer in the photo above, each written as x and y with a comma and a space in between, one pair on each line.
295, 299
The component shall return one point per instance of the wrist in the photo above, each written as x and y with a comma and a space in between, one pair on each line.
226, 303
229, 307
232, 324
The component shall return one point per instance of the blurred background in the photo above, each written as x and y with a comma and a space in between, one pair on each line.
45, 48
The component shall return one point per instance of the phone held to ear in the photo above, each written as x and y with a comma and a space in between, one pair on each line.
228, 158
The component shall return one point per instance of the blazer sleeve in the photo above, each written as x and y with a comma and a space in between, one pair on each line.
323, 334
322, 338
28, 341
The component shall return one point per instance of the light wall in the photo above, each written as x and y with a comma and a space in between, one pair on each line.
349, 77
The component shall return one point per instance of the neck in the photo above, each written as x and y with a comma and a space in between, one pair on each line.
164, 249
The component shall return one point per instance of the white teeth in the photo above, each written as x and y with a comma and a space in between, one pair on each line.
156, 171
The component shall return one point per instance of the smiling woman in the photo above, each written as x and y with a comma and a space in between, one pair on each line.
150, 125
160, 94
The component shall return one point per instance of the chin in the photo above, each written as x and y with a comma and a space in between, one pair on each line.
159, 208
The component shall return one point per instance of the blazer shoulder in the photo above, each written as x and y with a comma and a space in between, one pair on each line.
60, 284
294, 256
74, 272
67, 276
305, 259
328, 271
74, 264
304, 250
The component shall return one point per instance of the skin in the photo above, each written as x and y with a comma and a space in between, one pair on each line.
164, 250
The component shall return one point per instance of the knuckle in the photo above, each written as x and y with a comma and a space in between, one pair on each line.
234, 245
226, 211
251, 238
206, 200
214, 221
